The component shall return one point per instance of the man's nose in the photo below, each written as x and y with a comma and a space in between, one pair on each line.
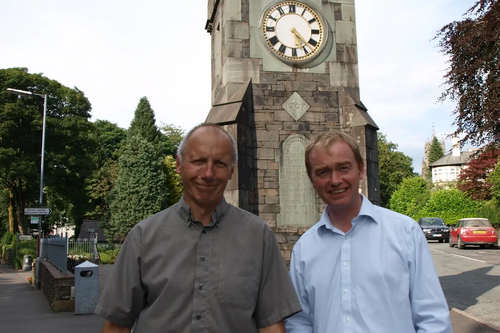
209, 170
335, 178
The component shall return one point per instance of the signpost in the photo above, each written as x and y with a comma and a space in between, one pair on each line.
35, 219
37, 211
24, 237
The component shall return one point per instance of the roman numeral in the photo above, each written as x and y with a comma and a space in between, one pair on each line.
282, 12
312, 42
305, 50
272, 18
292, 8
312, 20
273, 40
294, 52
282, 49
314, 31
271, 29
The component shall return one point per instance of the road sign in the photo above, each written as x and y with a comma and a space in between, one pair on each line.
24, 237
37, 211
35, 219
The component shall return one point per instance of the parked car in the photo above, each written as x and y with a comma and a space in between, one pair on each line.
434, 228
473, 231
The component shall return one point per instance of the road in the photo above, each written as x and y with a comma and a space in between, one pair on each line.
470, 279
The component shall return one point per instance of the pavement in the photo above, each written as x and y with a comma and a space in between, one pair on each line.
24, 309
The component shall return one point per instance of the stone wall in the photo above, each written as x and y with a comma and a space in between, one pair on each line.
287, 237
57, 287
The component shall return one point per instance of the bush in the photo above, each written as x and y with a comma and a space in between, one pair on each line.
490, 211
108, 256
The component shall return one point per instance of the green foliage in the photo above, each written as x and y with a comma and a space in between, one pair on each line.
109, 256
494, 180
490, 210
394, 166
171, 138
436, 151
144, 122
450, 205
140, 189
18, 248
68, 146
174, 182
410, 196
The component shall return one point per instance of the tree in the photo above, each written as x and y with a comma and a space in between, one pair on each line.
171, 137
144, 122
436, 151
140, 188
394, 166
449, 204
174, 181
473, 179
473, 77
494, 179
67, 150
410, 196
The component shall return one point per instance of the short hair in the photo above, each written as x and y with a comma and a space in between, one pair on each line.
183, 144
326, 140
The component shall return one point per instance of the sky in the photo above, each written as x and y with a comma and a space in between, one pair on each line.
117, 51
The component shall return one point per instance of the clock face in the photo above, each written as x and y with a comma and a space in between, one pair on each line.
294, 31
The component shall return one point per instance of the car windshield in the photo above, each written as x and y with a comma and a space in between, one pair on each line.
428, 222
477, 223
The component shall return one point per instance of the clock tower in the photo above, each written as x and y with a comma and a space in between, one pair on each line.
283, 71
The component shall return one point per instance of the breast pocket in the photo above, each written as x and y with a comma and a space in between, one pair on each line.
238, 285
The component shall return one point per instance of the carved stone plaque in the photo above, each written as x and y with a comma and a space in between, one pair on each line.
298, 203
296, 106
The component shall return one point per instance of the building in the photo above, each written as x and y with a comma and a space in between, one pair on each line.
447, 168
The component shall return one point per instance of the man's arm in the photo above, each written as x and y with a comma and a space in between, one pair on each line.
109, 327
428, 305
276, 328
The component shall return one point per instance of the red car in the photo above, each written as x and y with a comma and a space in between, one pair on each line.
473, 231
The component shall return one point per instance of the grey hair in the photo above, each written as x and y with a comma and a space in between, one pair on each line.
183, 144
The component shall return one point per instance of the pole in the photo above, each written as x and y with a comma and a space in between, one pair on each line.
40, 200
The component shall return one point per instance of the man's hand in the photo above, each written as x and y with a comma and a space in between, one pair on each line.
279, 327
109, 327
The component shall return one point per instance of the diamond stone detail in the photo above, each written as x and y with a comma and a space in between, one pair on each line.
296, 106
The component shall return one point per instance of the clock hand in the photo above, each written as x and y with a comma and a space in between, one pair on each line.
297, 35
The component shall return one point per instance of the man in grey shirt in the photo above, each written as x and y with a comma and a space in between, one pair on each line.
201, 265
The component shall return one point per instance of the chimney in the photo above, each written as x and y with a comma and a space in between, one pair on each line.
455, 147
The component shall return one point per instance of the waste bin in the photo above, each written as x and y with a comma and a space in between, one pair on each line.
86, 287
27, 261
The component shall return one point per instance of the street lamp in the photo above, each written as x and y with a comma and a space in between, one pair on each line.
40, 200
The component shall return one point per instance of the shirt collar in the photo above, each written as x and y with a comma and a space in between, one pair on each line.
367, 210
185, 212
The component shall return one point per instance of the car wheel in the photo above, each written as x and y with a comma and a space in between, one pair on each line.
460, 243
450, 243
440, 240
447, 240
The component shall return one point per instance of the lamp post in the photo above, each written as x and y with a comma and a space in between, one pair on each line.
40, 200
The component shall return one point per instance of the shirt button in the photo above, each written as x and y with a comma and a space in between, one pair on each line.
346, 291
345, 263
202, 258
198, 316
204, 232
200, 287
347, 319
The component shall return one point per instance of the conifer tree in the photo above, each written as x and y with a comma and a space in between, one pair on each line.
140, 189
144, 122
436, 151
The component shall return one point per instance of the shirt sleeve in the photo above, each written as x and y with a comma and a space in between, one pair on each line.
276, 299
300, 322
124, 297
430, 311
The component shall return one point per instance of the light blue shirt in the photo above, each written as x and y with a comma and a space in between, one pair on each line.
379, 277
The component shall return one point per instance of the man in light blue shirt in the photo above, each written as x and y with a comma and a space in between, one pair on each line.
361, 268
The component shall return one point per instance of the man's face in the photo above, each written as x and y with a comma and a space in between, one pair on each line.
335, 175
206, 167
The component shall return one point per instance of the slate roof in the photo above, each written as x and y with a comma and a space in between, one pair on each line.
90, 228
449, 159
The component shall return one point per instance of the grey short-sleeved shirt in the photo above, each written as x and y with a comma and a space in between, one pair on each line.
174, 275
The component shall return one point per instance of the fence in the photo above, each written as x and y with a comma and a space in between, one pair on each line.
83, 249
55, 250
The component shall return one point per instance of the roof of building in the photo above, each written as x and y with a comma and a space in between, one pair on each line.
90, 229
449, 159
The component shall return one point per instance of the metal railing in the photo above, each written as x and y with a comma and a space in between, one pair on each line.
55, 250
85, 249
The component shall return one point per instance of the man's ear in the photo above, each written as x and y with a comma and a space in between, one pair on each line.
361, 168
177, 164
